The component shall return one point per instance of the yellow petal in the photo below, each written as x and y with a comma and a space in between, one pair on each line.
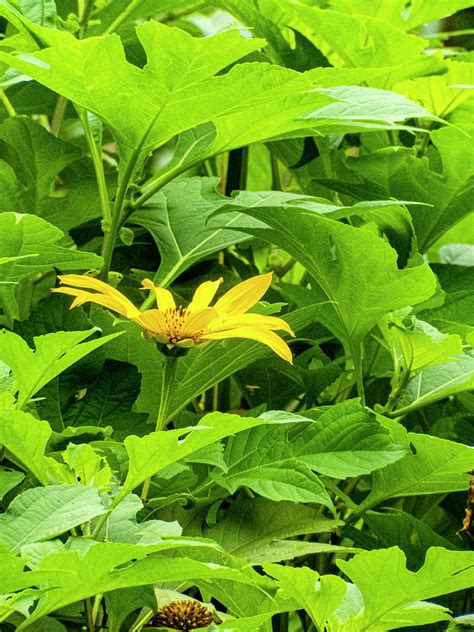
109, 302
204, 295
122, 305
264, 336
164, 298
250, 320
152, 320
242, 296
195, 323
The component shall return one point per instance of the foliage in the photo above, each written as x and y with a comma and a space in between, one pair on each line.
327, 142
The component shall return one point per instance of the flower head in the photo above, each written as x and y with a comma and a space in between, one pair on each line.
198, 322
184, 615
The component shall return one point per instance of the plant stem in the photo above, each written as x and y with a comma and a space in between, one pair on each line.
89, 618
122, 17
277, 184
167, 381
7, 103
58, 115
85, 17
98, 166
359, 374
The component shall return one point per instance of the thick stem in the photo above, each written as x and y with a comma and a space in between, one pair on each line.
85, 17
167, 381
7, 103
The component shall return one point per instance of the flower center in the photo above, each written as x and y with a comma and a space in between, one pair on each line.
175, 320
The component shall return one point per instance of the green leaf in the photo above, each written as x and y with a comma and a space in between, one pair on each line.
437, 382
9, 479
250, 525
423, 345
405, 17
390, 591
436, 466
32, 240
395, 172
441, 94
122, 526
177, 85
108, 401
344, 441
355, 268
39, 11
318, 596
413, 536
276, 477
338, 36
177, 218
152, 453
53, 354
25, 438
36, 157
43, 513
357, 109
457, 283
73, 575
87, 467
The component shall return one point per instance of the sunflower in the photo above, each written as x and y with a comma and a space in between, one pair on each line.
195, 324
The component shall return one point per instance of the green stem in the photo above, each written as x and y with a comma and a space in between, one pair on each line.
98, 166
85, 17
359, 373
58, 115
122, 17
167, 382
277, 184
7, 103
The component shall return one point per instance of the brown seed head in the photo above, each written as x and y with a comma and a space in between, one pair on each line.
183, 615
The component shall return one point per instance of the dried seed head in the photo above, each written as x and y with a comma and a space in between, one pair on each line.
183, 615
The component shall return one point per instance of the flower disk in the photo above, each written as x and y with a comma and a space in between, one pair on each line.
183, 615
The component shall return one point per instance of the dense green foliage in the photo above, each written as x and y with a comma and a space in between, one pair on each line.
328, 141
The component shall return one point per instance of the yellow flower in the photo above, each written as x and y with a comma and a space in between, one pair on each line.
198, 322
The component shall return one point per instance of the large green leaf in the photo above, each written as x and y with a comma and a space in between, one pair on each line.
152, 453
441, 94
355, 268
43, 513
36, 157
437, 382
53, 354
30, 243
276, 462
390, 592
395, 172
73, 575
177, 89
318, 596
339, 35
436, 466
25, 439
401, 15
177, 218
250, 527
9, 479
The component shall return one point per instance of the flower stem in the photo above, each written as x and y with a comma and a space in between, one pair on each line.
167, 381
